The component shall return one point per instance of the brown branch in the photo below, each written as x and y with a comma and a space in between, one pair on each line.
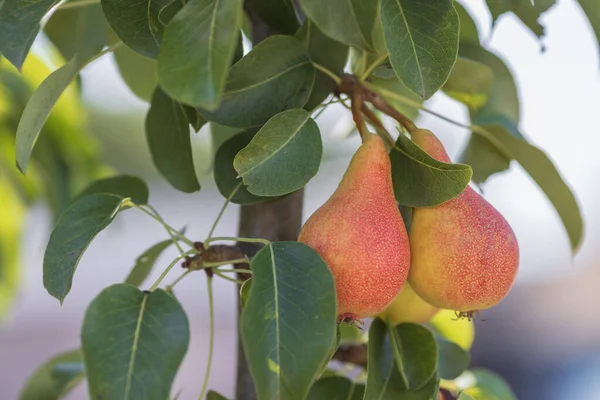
353, 353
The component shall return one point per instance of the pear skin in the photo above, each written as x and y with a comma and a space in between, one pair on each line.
407, 306
360, 234
465, 255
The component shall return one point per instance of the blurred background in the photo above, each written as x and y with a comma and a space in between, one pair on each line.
544, 338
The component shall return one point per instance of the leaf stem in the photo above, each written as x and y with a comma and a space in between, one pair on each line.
179, 279
372, 67
154, 214
227, 201
221, 263
236, 271
211, 335
170, 267
235, 239
220, 275
329, 73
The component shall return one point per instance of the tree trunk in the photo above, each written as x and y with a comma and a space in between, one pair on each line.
275, 221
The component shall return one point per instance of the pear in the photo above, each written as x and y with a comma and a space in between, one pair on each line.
465, 255
407, 306
360, 234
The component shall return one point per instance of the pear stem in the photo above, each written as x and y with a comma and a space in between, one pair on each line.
357, 106
378, 125
384, 107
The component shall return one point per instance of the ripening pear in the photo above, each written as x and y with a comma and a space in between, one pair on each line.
407, 306
361, 236
464, 254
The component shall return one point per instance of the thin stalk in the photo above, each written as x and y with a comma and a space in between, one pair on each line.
236, 271
372, 67
170, 267
221, 263
329, 73
176, 281
220, 275
227, 201
153, 214
167, 227
211, 335
235, 239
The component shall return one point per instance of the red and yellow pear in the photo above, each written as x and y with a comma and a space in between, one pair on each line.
360, 234
464, 254
407, 306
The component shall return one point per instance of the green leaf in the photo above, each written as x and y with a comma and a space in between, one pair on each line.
168, 136
465, 396
194, 118
470, 83
383, 377
260, 85
39, 106
133, 343
138, 72
503, 99
419, 180
140, 24
145, 262
277, 14
73, 233
527, 11
289, 323
505, 136
212, 395
219, 134
19, 25
122, 186
592, 11
452, 359
80, 30
283, 155
226, 177
422, 42
197, 49
486, 385
326, 52
415, 352
468, 28
347, 21
484, 158
55, 378
335, 388
245, 292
